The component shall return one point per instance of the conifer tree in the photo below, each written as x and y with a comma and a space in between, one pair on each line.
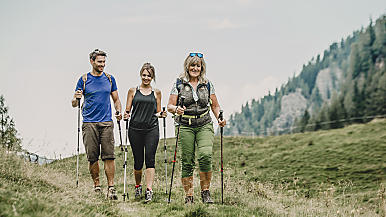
8, 133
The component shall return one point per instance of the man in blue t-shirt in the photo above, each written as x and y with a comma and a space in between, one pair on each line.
97, 128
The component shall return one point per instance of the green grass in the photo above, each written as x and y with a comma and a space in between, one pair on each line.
326, 173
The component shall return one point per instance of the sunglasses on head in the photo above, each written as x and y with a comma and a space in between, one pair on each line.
200, 55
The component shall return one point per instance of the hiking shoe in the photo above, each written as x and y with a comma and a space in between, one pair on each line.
138, 191
189, 200
148, 195
97, 189
111, 193
205, 195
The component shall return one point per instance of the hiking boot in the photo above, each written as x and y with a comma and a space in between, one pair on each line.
189, 200
111, 193
148, 195
138, 191
97, 189
205, 195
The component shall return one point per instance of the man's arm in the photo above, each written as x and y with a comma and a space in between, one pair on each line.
117, 104
77, 95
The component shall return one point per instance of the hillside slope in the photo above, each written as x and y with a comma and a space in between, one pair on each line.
344, 85
326, 173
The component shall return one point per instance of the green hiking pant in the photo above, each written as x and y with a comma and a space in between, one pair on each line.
190, 138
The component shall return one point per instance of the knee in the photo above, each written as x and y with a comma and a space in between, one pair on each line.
138, 166
150, 163
92, 161
187, 168
205, 153
150, 159
205, 160
186, 171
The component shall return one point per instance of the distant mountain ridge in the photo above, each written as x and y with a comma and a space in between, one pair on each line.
348, 82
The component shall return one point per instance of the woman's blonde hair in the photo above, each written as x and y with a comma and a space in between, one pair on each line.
191, 60
148, 67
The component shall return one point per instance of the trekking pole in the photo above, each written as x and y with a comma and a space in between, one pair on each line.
166, 162
120, 131
77, 155
125, 162
175, 150
124, 165
220, 116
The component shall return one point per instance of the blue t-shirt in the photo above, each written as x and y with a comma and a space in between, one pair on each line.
96, 106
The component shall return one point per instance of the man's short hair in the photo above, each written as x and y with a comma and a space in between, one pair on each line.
96, 53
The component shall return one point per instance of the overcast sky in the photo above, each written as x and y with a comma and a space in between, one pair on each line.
250, 47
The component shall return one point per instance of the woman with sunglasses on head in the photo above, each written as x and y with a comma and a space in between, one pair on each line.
196, 127
144, 102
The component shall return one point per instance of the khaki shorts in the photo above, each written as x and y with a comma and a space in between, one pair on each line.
98, 139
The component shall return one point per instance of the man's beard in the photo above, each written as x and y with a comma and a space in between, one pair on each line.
97, 69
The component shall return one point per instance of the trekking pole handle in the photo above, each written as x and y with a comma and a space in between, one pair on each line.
182, 98
163, 110
181, 103
78, 99
117, 113
127, 112
221, 115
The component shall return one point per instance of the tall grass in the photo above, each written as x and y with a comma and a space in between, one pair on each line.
326, 173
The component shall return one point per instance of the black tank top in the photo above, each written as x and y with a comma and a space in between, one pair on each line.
144, 111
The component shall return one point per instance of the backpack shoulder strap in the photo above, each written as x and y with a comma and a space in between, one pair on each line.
109, 77
178, 83
84, 78
208, 87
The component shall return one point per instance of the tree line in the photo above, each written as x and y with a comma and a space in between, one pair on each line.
360, 92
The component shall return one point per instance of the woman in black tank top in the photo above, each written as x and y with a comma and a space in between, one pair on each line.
144, 107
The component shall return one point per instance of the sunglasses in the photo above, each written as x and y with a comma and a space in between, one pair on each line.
200, 55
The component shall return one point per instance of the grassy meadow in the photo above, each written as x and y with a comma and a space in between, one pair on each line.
326, 173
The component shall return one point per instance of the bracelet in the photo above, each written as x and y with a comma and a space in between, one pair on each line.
175, 111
